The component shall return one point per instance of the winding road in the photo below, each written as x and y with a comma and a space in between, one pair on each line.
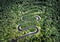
31, 33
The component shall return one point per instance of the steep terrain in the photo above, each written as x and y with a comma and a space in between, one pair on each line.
41, 13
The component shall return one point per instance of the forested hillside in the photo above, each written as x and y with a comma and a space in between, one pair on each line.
39, 20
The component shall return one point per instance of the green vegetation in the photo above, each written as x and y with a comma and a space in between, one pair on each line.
11, 12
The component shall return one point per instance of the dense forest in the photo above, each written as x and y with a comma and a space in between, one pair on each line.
27, 14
